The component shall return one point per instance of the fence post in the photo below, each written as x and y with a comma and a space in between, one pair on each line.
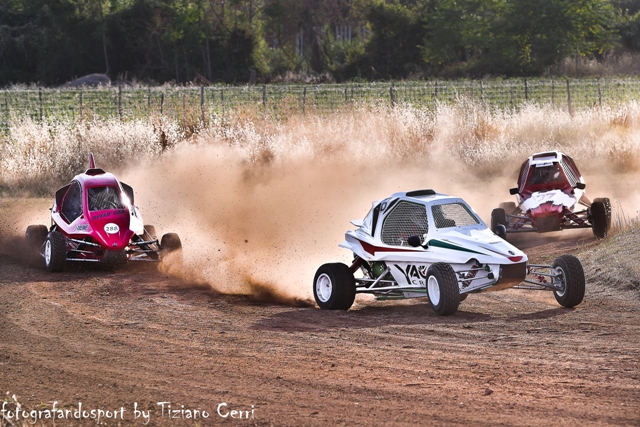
599, 94
222, 99
81, 107
264, 96
304, 99
346, 97
553, 92
526, 91
392, 94
511, 96
161, 103
40, 99
148, 100
202, 103
481, 92
435, 92
6, 109
120, 102
569, 98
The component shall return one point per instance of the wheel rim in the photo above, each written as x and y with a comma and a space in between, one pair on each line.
559, 280
434, 290
47, 252
324, 287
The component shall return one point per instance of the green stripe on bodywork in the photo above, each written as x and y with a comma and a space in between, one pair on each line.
445, 245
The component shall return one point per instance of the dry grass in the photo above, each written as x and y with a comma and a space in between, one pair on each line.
35, 158
612, 265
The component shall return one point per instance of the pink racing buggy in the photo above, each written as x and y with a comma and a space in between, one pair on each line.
94, 219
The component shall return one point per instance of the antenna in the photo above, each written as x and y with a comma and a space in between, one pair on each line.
92, 162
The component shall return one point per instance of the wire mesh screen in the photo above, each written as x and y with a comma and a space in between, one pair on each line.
405, 220
452, 215
571, 175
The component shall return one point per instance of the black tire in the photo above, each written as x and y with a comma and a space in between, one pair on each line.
36, 236
571, 276
509, 207
114, 259
601, 217
442, 289
334, 287
170, 243
151, 230
498, 217
55, 252
463, 297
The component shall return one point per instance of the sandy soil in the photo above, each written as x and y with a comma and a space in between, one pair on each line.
138, 337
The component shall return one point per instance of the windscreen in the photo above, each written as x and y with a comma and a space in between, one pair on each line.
105, 198
546, 175
453, 215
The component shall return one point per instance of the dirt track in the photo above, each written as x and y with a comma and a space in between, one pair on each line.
110, 340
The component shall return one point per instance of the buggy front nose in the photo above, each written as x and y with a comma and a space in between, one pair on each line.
116, 242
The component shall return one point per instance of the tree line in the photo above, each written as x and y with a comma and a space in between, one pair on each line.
235, 41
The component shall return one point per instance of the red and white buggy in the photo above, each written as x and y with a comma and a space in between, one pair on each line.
94, 219
551, 197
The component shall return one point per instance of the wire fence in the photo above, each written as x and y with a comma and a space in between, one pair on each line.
200, 103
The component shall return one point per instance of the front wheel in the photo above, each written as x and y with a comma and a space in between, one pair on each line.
334, 287
601, 217
55, 252
170, 243
570, 279
442, 289
509, 207
36, 236
499, 217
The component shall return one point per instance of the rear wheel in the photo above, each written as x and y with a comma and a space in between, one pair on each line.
55, 252
601, 217
442, 289
334, 287
570, 278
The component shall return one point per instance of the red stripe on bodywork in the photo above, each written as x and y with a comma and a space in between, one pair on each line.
371, 249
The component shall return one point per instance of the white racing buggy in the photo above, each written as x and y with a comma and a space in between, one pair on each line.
550, 192
425, 244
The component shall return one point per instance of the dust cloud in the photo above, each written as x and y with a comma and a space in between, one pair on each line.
260, 203
264, 208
